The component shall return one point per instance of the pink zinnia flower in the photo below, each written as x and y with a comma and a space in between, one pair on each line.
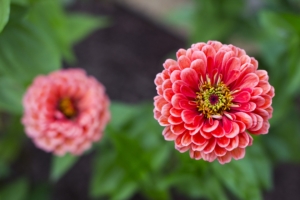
65, 111
210, 99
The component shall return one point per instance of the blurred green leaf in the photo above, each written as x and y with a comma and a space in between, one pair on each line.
40, 192
60, 165
80, 25
16, 190
4, 13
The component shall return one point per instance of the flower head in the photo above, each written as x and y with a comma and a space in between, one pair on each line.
210, 99
65, 111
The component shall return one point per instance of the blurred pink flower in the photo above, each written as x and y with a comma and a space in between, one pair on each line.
65, 111
210, 99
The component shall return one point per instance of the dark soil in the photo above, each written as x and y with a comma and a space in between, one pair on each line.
125, 57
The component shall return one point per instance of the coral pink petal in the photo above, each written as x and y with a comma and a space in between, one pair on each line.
195, 154
243, 140
242, 97
168, 135
178, 129
225, 159
184, 62
188, 92
223, 142
219, 151
218, 132
234, 143
186, 139
199, 66
198, 139
190, 77
210, 146
188, 116
227, 124
208, 128
168, 94
235, 130
238, 153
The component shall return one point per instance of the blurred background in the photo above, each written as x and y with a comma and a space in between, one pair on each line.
123, 43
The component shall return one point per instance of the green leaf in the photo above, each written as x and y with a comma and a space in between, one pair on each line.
16, 190
4, 13
80, 25
60, 165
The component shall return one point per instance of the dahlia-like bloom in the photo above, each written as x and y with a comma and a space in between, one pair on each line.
210, 99
65, 111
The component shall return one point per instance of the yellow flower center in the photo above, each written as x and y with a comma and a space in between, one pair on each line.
213, 100
66, 106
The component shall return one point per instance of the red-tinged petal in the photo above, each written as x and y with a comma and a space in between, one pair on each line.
218, 132
271, 93
188, 92
166, 110
257, 122
186, 139
180, 52
178, 141
210, 146
220, 151
262, 112
176, 99
227, 124
167, 84
163, 121
223, 142
159, 90
258, 100
234, 132
175, 76
232, 76
195, 154
238, 153
199, 55
257, 91
206, 135
178, 129
245, 118
173, 68
174, 120
175, 112
219, 59
215, 44
242, 97
192, 127
210, 157
157, 114
262, 75
210, 67
188, 116
158, 79
265, 86
268, 101
190, 77
243, 140
165, 75
187, 105
200, 148
209, 51
184, 62
168, 135
199, 66
208, 128
168, 94
249, 81
234, 143
159, 103
193, 132
198, 139
169, 62
263, 130
225, 159
176, 87
245, 107
182, 149
250, 140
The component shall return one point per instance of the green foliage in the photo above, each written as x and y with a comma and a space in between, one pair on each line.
4, 13
16, 190
35, 41
60, 165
